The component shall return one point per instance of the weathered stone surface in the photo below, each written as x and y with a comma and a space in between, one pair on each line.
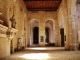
20, 15
67, 16
42, 17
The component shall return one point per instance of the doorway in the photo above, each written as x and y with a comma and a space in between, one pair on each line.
62, 37
47, 34
11, 46
35, 35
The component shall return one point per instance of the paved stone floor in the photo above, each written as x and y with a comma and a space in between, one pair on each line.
30, 54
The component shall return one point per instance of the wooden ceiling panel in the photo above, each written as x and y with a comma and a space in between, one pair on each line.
42, 0
46, 5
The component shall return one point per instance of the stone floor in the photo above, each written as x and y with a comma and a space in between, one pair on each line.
44, 54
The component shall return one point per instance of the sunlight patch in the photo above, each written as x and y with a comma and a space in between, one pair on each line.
36, 56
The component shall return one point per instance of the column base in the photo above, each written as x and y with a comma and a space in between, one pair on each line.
74, 47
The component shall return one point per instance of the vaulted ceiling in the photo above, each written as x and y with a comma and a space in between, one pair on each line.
42, 5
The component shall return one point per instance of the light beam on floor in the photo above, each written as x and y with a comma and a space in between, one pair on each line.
36, 56
38, 48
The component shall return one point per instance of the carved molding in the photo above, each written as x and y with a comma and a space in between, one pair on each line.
10, 32
14, 30
1, 22
3, 30
6, 32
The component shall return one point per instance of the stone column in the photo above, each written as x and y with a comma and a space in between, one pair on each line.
73, 41
52, 36
74, 24
57, 34
69, 18
41, 34
28, 36
31, 34
66, 24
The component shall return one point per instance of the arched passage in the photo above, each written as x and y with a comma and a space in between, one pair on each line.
34, 32
49, 32
35, 35
62, 37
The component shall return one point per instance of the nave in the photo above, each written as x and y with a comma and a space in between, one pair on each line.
44, 53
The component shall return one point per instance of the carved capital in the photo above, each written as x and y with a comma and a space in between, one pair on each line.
3, 30
10, 32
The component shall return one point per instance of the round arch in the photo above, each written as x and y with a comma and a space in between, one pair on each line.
50, 20
47, 34
31, 20
50, 24
33, 24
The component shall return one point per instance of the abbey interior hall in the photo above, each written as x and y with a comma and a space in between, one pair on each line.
39, 29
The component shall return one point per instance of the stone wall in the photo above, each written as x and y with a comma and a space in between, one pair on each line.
78, 19
4, 47
67, 10
60, 19
42, 17
4, 9
20, 15
4, 42
21, 18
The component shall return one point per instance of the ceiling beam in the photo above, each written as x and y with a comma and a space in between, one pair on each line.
42, 0
42, 9
78, 1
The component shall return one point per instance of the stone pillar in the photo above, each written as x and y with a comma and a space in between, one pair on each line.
73, 41
66, 24
70, 23
28, 33
31, 34
41, 34
72, 15
52, 36
57, 34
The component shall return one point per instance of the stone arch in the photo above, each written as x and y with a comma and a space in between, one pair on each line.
31, 20
36, 35
50, 24
47, 34
52, 21
33, 24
